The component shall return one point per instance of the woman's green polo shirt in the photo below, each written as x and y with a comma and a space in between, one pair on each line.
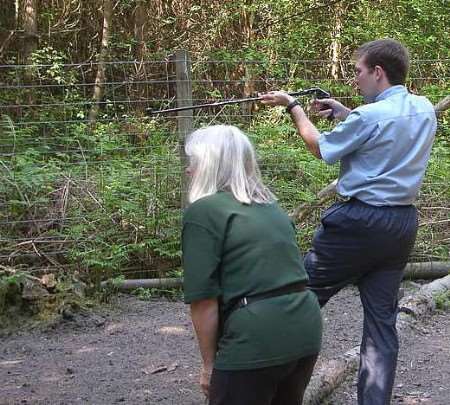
234, 250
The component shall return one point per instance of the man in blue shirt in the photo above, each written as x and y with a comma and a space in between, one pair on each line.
383, 148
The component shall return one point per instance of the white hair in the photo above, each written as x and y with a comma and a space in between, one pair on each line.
222, 158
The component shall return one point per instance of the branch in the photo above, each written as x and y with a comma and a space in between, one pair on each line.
442, 106
302, 210
6, 42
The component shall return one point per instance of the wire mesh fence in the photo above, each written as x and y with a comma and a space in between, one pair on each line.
102, 192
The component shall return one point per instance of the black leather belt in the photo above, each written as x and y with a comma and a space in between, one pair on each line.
241, 302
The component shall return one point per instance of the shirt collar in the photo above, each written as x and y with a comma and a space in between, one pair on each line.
397, 89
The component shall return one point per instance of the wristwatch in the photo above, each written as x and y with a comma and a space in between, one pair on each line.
291, 105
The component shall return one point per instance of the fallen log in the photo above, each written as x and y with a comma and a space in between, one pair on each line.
421, 303
442, 106
413, 271
426, 270
331, 374
127, 285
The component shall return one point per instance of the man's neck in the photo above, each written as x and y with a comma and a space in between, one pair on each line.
384, 86
380, 89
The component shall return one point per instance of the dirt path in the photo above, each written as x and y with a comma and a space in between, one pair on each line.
144, 352
423, 372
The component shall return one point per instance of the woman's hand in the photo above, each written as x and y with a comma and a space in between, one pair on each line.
205, 379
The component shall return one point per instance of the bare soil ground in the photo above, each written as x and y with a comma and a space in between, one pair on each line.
144, 352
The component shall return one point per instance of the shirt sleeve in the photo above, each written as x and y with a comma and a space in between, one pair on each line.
345, 138
201, 259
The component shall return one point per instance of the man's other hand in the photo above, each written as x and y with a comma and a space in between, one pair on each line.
329, 107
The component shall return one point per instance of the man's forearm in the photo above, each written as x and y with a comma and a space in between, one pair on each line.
205, 318
307, 130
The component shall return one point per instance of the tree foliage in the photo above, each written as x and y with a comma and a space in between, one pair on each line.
82, 166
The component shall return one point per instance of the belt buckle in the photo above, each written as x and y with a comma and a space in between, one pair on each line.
242, 302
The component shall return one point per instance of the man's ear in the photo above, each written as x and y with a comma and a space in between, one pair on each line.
379, 72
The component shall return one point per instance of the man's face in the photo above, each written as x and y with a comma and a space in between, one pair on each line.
366, 80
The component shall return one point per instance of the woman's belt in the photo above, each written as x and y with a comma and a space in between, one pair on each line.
240, 302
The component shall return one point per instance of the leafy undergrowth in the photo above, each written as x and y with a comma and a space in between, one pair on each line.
27, 301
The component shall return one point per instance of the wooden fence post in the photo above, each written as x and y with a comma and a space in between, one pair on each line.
185, 125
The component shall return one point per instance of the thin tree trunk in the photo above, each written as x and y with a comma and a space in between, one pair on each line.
246, 22
17, 10
336, 45
101, 69
30, 42
140, 51
10, 20
139, 29
30, 29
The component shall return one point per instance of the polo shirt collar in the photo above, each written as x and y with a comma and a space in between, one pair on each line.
391, 91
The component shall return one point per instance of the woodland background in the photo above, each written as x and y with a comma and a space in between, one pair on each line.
91, 183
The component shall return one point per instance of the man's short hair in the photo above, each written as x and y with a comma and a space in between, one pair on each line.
389, 54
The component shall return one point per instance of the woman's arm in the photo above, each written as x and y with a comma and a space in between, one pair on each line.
205, 318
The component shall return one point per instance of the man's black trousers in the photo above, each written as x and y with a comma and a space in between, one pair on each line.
368, 246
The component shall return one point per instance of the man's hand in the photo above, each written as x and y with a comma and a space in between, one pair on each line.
328, 107
205, 379
275, 98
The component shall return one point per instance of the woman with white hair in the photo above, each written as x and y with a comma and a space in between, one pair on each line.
258, 329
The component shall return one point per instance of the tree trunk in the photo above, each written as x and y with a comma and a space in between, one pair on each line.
30, 29
30, 43
340, 10
101, 69
10, 20
139, 27
246, 23
139, 52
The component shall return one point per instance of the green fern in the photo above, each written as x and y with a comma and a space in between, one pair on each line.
7, 130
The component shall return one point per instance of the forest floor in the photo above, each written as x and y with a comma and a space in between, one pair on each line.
144, 352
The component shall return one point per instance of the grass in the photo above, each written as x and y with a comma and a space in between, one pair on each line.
443, 300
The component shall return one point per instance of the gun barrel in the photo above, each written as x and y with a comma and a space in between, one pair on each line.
318, 92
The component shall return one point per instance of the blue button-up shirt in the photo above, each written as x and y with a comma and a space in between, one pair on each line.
383, 148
